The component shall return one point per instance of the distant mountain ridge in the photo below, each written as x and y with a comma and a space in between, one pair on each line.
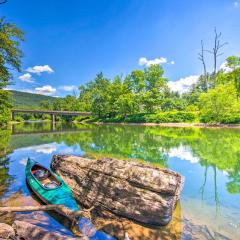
25, 100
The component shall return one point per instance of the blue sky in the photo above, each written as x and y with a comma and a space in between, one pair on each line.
70, 41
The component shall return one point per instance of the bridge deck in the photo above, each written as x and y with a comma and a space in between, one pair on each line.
72, 113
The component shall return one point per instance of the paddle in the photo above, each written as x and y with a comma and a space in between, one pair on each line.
60, 208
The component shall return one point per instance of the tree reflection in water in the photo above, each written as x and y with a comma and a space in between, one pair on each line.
5, 178
213, 155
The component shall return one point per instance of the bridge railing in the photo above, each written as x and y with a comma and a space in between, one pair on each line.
73, 113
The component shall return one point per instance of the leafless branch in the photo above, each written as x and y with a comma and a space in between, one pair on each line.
216, 51
202, 59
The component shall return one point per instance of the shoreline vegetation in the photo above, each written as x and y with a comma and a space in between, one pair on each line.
166, 124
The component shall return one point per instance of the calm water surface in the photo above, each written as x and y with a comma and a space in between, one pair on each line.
208, 158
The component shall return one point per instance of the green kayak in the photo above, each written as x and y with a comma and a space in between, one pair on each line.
51, 189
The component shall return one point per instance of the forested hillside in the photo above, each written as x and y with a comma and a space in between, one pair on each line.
24, 100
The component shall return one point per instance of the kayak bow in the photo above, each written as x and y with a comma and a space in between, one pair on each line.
51, 189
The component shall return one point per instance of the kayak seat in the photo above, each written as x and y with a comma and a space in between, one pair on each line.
51, 185
41, 174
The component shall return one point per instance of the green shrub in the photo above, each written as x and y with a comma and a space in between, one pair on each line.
18, 119
175, 117
228, 118
83, 119
137, 118
46, 117
162, 117
220, 105
233, 118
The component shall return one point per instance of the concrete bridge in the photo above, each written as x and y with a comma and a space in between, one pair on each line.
50, 112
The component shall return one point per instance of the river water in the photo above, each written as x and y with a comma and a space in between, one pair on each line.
208, 158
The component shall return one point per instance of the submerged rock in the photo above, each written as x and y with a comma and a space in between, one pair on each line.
6, 231
136, 191
28, 231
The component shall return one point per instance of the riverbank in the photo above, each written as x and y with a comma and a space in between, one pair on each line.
169, 124
166, 119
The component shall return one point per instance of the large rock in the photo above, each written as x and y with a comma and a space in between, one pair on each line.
136, 191
6, 231
28, 231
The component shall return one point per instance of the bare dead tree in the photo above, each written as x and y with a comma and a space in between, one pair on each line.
74, 92
202, 59
216, 52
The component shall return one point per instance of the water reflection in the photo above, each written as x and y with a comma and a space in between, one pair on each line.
208, 158
5, 178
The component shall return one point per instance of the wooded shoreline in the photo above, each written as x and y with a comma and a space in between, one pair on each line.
180, 125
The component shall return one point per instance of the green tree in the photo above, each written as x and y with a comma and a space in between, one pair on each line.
219, 104
155, 87
233, 62
232, 75
97, 93
135, 82
10, 54
10, 58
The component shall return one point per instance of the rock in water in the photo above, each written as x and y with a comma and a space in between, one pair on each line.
6, 231
28, 231
136, 191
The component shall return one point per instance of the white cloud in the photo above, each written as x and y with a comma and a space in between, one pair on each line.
39, 69
68, 88
172, 62
27, 77
183, 85
45, 90
183, 153
236, 4
8, 88
144, 61
225, 68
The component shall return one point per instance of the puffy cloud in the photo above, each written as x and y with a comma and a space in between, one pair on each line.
183, 84
172, 62
45, 90
27, 77
144, 61
39, 69
225, 68
68, 88
236, 4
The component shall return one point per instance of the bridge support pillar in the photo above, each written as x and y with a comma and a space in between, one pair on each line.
53, 118
12, 116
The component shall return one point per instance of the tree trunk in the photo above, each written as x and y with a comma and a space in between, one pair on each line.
132, 190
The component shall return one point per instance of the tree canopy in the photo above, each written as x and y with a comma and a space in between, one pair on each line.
10, 59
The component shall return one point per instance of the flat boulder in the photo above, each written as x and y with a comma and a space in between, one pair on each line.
28, 231
6, 231
136, 191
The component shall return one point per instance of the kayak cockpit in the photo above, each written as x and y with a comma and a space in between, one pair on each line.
45, 177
